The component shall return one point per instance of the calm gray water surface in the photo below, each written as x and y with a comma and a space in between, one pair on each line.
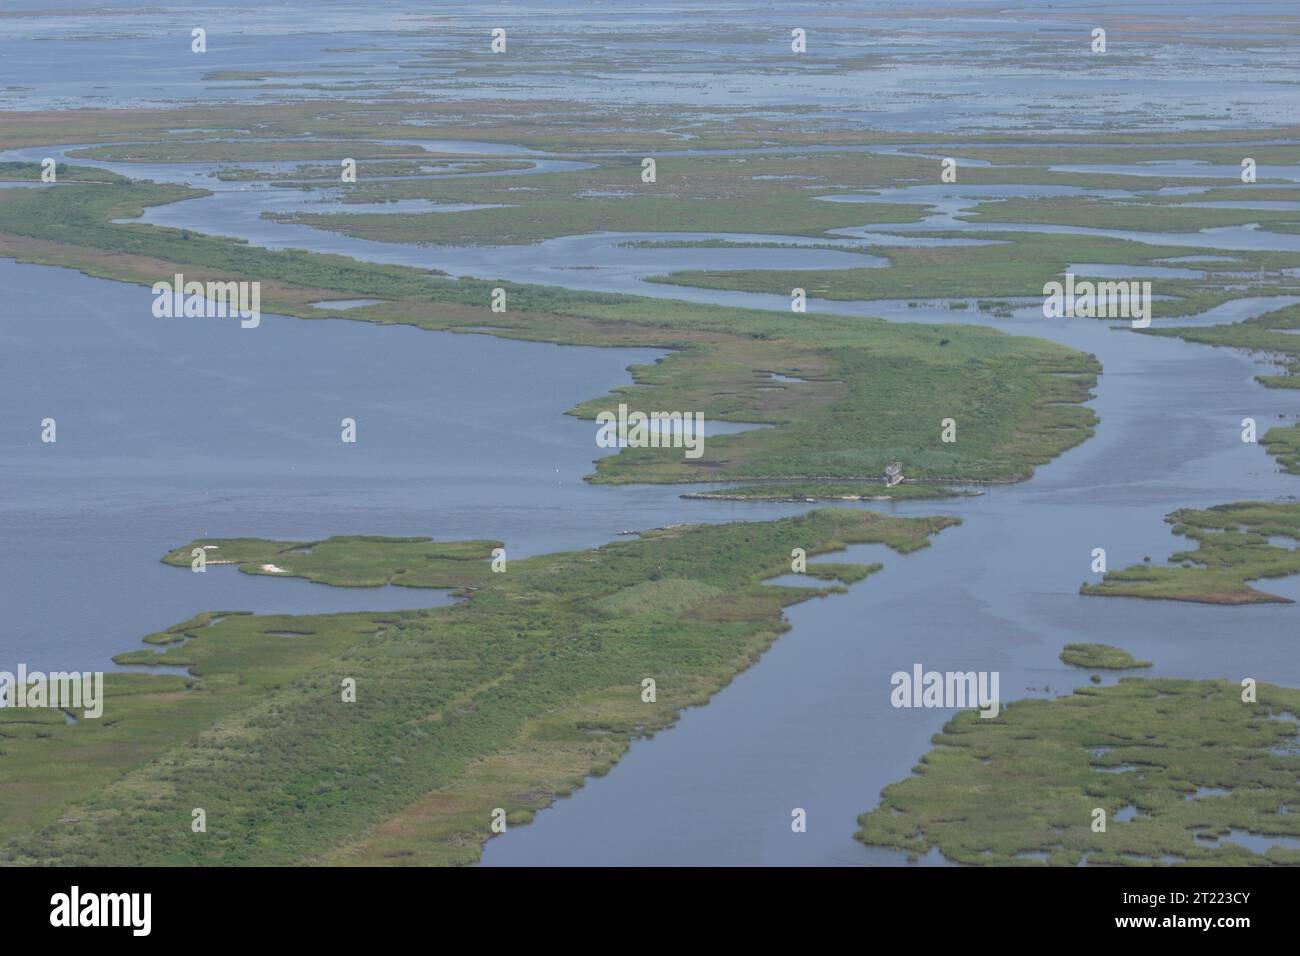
956, 65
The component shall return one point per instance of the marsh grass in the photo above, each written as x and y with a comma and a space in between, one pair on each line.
992, 792
1100, 656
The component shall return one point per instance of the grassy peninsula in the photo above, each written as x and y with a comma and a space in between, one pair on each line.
502, 700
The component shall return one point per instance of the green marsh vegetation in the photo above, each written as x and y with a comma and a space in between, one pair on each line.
1100, 656
505, 699
1236, 544
1019, 263
555, 125
1014, 265
1139, 215
31, 173
558, 126
736, 244
753, 192
741, 194
1191, 759
251, 150
583, 126
1283, 443
72, 225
